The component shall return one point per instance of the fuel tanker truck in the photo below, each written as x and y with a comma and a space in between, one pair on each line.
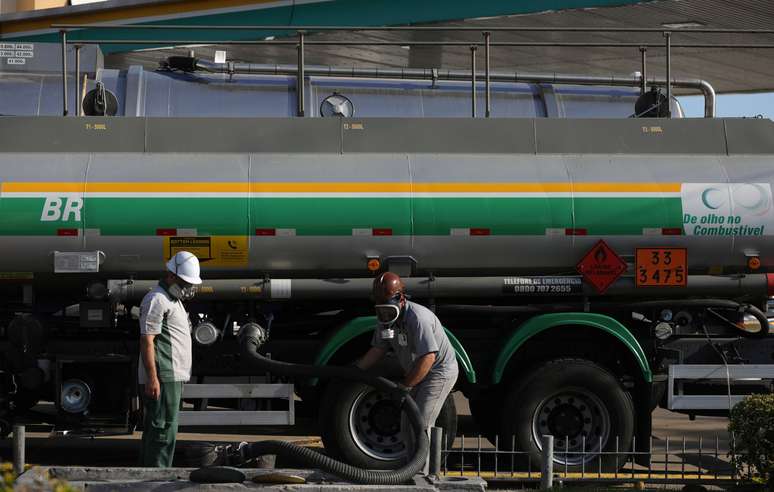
587, 269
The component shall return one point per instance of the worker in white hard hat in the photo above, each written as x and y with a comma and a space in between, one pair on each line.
165, 357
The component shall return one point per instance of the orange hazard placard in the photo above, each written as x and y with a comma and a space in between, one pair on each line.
662, 267
601, 266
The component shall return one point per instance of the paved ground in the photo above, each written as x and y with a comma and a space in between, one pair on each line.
122, 450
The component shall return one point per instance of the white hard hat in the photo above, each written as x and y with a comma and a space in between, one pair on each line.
186, 266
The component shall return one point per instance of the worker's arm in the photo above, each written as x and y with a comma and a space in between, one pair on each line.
152, 316
371, 357
152, 386
419, 370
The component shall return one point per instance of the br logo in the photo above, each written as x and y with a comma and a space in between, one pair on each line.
64, 209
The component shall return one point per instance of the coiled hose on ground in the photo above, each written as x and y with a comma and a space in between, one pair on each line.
250, 340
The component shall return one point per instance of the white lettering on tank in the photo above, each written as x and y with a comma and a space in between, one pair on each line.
51, 209
61, 209
72, 207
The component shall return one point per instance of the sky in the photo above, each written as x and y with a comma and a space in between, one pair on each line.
732, 105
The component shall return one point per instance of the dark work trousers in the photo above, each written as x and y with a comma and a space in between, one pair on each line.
160, 426
430, 396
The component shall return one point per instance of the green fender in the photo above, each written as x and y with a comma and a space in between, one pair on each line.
365, 324
547, 321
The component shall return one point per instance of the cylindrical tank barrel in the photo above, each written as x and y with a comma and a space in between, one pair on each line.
308, 215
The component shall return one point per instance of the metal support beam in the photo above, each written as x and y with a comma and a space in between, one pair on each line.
473, 50
644, 69
245, 289
723, 376
487, 70
18, 449
300, 77
668, 47
63, 35
78, 80
547, 463
285, 27
205, 417
525, 44
436, 450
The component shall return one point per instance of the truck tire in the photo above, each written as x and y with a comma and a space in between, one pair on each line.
361, 426
571, 399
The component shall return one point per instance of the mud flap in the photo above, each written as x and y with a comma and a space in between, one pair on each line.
644, 423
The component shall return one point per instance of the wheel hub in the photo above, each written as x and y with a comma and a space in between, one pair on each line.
384, 418
566, 420
579, 422
374, 421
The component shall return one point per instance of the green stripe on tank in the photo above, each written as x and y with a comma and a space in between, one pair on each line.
338, 216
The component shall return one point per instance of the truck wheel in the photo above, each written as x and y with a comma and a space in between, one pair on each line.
578, 402
361, 426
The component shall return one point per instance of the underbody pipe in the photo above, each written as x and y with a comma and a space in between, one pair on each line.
250, 340
752, 287
464, 75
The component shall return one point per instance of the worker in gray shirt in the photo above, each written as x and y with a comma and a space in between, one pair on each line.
420, 343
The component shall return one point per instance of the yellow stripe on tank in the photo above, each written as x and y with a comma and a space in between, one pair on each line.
336, 187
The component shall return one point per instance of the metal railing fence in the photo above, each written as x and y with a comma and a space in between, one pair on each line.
670, 461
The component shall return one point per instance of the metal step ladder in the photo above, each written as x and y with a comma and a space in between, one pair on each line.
716, 373
206, 417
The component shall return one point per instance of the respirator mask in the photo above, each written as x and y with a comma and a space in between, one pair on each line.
182, 293
386, 315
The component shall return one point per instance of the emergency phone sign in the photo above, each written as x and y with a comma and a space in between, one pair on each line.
661, 267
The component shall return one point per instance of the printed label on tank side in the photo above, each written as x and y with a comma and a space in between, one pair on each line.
16, 54
727, 209
542, 285
212, 251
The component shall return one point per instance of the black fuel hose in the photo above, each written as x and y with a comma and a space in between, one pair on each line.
250, 340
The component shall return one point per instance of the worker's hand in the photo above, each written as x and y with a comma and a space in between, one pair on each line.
153, 389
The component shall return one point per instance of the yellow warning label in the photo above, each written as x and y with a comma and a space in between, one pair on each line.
212, 251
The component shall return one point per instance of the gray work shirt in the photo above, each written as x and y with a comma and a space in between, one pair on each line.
164, 316
418, 332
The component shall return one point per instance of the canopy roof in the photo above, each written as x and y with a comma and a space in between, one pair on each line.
728, 69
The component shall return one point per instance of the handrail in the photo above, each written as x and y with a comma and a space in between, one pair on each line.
486, 31
435, 74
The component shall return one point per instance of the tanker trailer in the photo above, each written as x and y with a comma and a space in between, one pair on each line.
587, 270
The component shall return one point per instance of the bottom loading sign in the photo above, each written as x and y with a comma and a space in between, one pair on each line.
212, 251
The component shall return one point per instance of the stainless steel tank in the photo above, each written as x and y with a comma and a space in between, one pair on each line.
319, 198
